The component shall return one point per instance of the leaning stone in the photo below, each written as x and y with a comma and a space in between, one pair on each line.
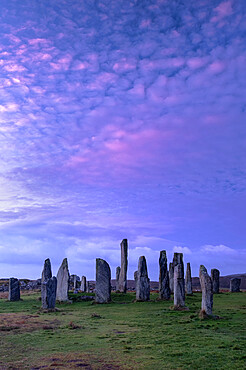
103, 281
164, 289
14, 289
179, 284
49, 293
63, 282
207, 290
143, 284
83, 284
235, 285
117, 278
215, 276
123, 269
171, 277
188, 280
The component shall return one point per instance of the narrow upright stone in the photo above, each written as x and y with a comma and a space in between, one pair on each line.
62, 282
87, 287
207, 290
136, 279
103, 281
143, 285
164, 289
171, 277
14, 289
46, 274
49, 293
215, 276
123, 269
117, 278
83, 284
235, 285
179, 284
188, 279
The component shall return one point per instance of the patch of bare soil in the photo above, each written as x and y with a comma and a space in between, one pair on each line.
25, 323
76, 361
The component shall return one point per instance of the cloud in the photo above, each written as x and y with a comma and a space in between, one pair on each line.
218, 249
184, 250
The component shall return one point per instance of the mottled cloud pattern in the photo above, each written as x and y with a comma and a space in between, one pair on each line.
122, 119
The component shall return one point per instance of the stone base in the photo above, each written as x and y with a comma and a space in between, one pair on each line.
48, 310
204, 316
179, 308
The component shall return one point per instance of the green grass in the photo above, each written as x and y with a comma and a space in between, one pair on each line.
123, 334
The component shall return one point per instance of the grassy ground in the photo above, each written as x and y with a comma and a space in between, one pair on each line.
123, 334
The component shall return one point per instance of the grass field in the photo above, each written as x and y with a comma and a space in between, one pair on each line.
123, 334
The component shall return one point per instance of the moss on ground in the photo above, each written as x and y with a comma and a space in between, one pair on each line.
123, 334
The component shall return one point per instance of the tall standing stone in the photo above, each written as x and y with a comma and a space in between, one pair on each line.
46, 275
171, 277
215, 276
179, 284
235, 285
164, 289
103, 281
14, 289
207, 290
62, 282
117, 278
87, 287
123, 269
49, 293
188, 279
143, 284
83, 284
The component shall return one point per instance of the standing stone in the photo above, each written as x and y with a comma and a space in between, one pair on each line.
143, 285
171, 277
235, 285
117, 278
83, 284
123, 269
207, 290
49, 293
103, 281
14, 289
179, 284
164, 289
188, 279
215, 276
87, 287
62, 282
46, 274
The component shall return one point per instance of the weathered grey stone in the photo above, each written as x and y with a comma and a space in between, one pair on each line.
62, 282
164, 289
215, 276
46, 274
188, 279
49, 293
87, 287
207, 290
83, 284
143, 285
123, 269
117, 278
171, 277
235, 285
103, 281
179, 284
14, 289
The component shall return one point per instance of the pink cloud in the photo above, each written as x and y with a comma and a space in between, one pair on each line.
216, 67
196, 62
223, 10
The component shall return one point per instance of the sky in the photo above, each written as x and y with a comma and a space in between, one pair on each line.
122, 119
